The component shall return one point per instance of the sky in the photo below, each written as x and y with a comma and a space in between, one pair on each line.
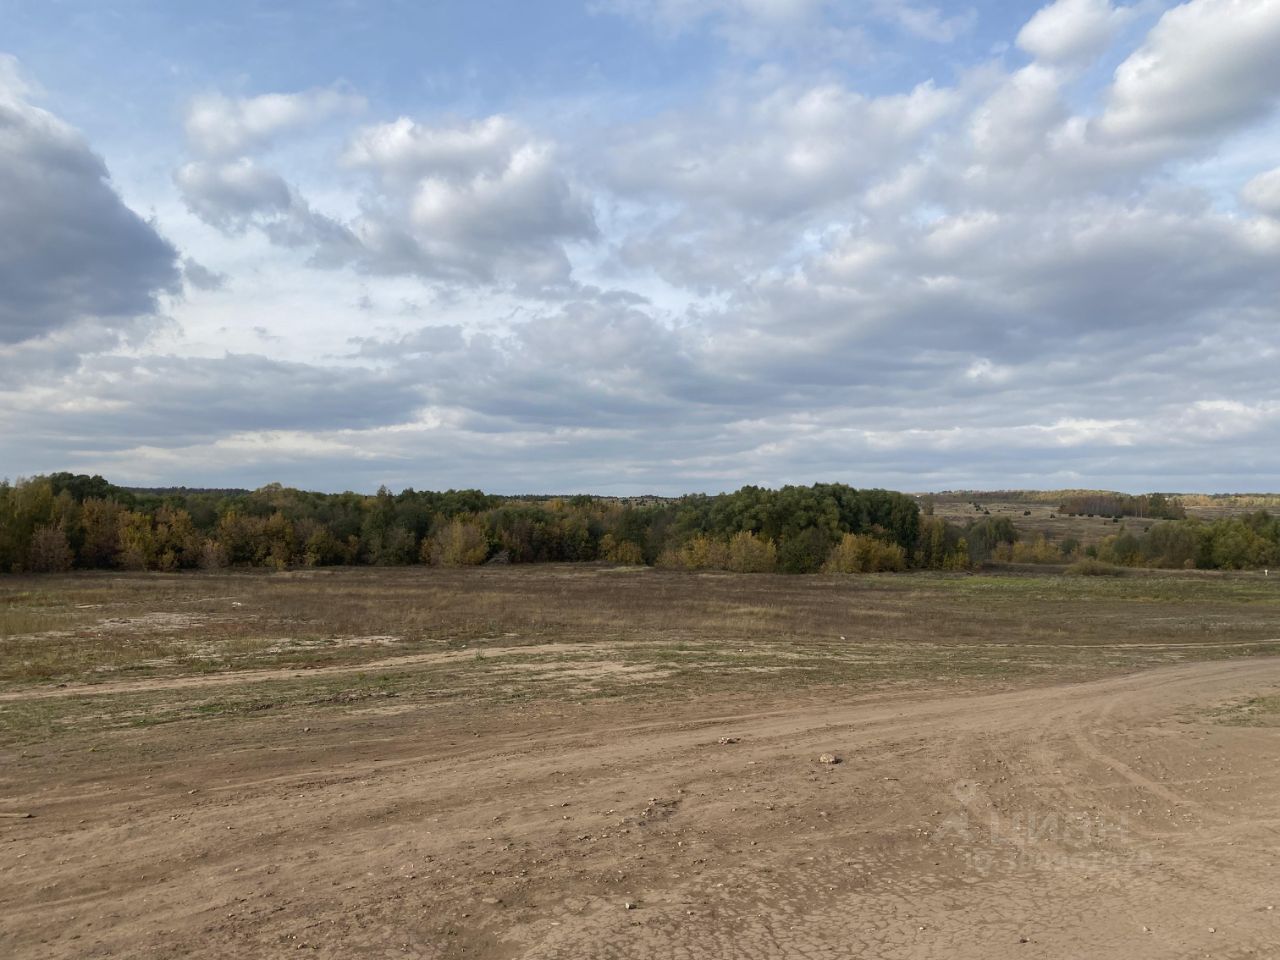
641, 246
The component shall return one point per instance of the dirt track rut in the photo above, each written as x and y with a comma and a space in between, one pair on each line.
1106, 819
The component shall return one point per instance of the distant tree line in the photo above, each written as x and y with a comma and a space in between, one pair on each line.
1155, 506
1243, 542
64, 521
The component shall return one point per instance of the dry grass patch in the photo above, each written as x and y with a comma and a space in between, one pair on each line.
585, 632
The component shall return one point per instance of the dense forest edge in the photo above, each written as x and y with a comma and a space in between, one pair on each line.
66, 521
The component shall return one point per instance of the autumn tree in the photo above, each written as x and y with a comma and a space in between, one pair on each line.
50, 552
458, 543
749, 553
857, 553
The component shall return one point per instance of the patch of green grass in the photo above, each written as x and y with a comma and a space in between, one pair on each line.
1253, 712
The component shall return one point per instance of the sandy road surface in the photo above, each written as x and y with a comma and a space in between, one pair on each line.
1107, 819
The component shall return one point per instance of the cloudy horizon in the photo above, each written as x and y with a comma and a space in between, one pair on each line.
642, 246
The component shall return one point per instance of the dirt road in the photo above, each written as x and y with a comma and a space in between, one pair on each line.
1107, 819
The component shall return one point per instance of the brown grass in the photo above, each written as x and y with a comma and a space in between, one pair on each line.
1038, 515
575, 632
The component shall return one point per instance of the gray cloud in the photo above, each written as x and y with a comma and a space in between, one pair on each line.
582, 364
201, 277
231, 196
235, 196
75, 252
107, 402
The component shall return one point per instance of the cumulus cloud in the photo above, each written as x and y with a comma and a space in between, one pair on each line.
236, 195
749, 180
1072, 31
404, 152
484, 201
1002, 272
74, 252
232, 195
221, 126
475, 202
1014, 122
780, 151
1207, 67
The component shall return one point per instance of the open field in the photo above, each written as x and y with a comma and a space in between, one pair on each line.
1036, 516
495, 762
1035, 519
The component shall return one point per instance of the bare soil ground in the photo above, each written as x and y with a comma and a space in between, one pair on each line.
586, 763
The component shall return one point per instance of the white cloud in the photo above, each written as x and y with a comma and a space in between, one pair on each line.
777, 152
485, 201
1206, 68
842, 279
406, 151
1224, 419
823, 29
983, 370
1263, 193
221, 126
926, 22
814, 29
475, 202
947, 268
1016, 119
1072, 31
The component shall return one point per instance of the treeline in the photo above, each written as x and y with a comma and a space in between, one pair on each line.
1244, 542
1006, 496
1231, 500
1154, 506
64, 521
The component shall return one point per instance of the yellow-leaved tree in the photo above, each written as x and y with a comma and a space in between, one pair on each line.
856, 553
459, 543
749, 553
